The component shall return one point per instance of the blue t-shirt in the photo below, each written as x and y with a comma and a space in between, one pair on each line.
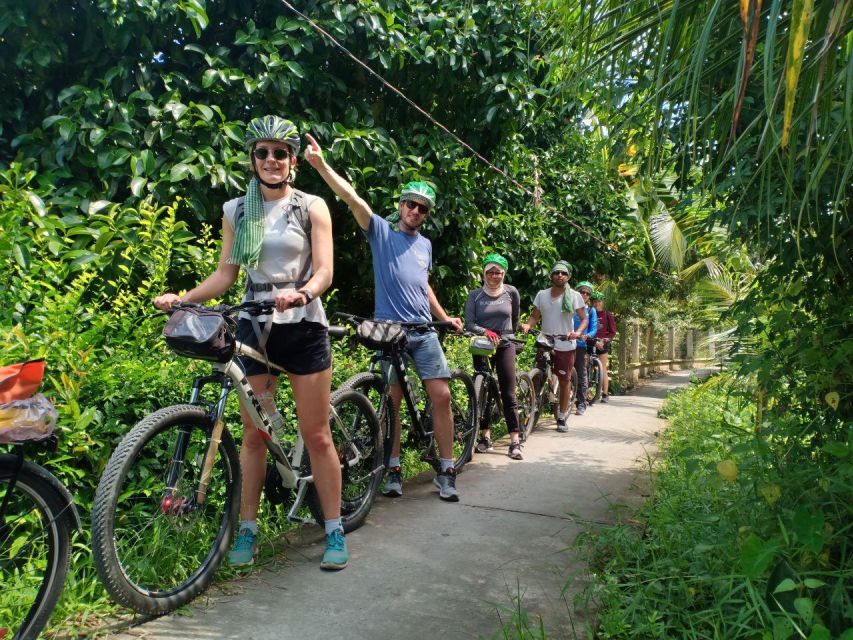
591, 327
401, 266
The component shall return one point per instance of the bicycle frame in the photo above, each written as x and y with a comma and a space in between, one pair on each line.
396, 359
230, 377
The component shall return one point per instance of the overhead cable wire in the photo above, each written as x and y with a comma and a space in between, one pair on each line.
459, 140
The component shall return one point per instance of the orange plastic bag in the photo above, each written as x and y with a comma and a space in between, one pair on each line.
20, 381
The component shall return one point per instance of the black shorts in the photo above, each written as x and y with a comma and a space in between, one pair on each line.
299, 348
606, 348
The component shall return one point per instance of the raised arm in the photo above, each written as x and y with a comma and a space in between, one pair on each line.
343, 189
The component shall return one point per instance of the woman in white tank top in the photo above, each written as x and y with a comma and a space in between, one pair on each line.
288, 258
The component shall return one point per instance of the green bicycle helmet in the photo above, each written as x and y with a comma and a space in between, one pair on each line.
585, 284
598, 295
496, 258
419, 192
273, 128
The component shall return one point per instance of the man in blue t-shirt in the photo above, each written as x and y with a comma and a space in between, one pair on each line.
402, 260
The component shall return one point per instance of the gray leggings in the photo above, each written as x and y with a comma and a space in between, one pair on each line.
504, 363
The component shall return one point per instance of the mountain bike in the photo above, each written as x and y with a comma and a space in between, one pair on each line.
167, 504
594, 375
546, 387
37, 519
417, 432
487, 393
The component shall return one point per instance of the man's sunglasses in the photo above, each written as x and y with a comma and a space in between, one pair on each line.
422, 208
279, 154
560, 273
585, 293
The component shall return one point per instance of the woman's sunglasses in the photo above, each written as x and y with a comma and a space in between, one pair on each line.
422, 208
261, 153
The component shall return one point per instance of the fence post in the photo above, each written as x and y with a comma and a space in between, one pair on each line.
712, 347
670, 351
623, 354
690, 346
635, 351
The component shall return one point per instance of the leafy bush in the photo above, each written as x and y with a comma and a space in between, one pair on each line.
746, 534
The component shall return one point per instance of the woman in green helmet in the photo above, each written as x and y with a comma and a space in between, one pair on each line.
282, 237
493, 311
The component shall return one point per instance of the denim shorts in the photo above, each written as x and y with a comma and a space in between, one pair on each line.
425, 349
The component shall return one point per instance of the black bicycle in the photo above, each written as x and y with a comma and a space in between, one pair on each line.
487, 393
37, 519
167, 504
546, 387
594, 375
388, 339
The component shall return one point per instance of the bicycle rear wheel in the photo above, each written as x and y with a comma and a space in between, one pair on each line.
157, 541
358, 442
485, 392
525, 393
35, 545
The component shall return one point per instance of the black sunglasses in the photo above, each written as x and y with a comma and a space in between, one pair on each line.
422, 208
560, 273
279, 154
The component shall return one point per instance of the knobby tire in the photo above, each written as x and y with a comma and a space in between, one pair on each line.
35, 547
155, 554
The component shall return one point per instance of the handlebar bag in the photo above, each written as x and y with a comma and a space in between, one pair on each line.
382, 336
482, 346
544, 342
201, 334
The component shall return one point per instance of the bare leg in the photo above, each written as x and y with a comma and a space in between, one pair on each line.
605, 377
396, 392
442, 416
253, 452
311, 393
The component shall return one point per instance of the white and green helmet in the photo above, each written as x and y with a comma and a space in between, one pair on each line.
273, 128
419, 192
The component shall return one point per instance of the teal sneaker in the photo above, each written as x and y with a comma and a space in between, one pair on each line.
336, 556
243, 551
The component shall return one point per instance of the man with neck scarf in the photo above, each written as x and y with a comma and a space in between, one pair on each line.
282, 237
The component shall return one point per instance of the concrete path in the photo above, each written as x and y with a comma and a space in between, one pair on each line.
422, 568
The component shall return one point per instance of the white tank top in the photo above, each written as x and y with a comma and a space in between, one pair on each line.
285, 257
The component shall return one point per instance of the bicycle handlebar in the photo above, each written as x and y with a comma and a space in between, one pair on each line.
252, 307
354, 320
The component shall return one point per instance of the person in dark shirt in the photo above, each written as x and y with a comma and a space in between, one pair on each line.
493, 311
604, 339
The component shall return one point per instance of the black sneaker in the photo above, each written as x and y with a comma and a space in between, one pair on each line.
515, 451
485, 444
446, 483
561, 425
604, 399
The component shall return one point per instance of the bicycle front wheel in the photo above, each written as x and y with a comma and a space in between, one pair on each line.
463, 404
159, 536
372, 386
593, 393
35, 543
525, 393
358, 442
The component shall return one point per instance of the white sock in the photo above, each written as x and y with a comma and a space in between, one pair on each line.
446, 463
393, 462
332, 525
561, 415
251, 525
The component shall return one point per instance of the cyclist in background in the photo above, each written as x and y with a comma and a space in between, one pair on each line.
585, 289
283, 239
604, 339
556, 306
492, 311
402, 260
